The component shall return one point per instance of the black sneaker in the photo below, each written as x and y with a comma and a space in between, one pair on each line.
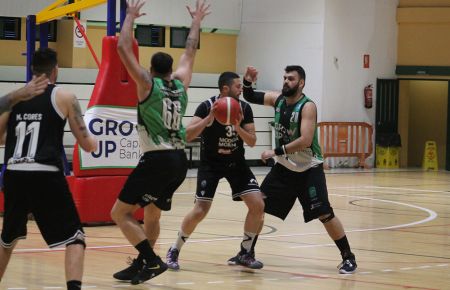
149, 270
348, 266
245, 259
248, 260
172, 259
128, 273
233, 261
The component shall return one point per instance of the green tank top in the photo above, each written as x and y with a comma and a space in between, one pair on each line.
160, 115
300, 160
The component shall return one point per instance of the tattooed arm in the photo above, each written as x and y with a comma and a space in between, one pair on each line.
35, 87
70, 107
186, 64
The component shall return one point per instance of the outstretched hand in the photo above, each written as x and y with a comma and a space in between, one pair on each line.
201, 10
134, 7
251, 74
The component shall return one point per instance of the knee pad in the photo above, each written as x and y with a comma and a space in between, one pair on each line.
328, 218
77, 241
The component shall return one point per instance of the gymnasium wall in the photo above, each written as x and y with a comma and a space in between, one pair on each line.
354, 28
328, 38
279, 33
160, 12
423, 27
221, 48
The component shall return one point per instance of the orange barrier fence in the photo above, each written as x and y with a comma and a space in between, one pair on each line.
346, 139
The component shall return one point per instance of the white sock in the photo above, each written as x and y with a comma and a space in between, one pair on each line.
181, 239
247, 241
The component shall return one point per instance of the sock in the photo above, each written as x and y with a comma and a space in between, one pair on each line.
344, 247
145, 250
73, 285
247, 241
181, 239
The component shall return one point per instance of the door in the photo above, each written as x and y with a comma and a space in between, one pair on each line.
386, 118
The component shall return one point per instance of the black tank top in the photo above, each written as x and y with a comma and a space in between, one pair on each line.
220, 143
35, 131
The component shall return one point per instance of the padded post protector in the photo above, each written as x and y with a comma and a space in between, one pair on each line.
95, 196
113, 87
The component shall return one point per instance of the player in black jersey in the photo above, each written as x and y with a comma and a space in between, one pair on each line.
222, 156
34, 180
35, 87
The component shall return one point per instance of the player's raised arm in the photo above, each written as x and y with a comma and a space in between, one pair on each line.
125, 50
260, 98
186, 64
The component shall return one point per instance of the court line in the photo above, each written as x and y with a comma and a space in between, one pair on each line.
431, 215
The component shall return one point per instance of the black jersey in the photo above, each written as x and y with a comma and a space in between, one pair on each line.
35, 131
221, 143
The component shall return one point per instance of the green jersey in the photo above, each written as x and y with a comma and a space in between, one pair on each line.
287, 129
160, 115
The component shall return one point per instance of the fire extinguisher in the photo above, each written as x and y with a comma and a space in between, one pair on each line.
368, 96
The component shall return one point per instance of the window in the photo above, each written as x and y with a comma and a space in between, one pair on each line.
52, 31
150, 35
178, 36
10, 28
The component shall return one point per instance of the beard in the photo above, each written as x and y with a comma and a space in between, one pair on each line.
290, 92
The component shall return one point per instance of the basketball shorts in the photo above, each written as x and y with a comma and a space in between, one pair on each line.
282, 187
155, 179
239, 176
47, 196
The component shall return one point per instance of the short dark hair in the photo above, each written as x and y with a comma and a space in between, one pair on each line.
298, 69
44, 61
227, 78
162, 63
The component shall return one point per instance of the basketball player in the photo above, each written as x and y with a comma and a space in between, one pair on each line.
163, 166
222, 156
35, 87
34, 180
298, 173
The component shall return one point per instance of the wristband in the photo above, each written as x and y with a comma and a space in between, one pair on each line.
247, 84
279, 151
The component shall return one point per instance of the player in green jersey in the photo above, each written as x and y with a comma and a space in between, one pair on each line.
163, 166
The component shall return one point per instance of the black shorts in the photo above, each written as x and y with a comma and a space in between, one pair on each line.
239, 176
155, 179
282, 187
47, 196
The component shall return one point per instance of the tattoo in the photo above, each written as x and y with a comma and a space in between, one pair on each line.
79, 118
191, 43
5, 104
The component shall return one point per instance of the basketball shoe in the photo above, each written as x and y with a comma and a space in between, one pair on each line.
128, 273
172, 259
150, 270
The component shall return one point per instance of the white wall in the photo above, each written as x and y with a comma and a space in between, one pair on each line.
312, 33
354, 28
279, 33
22, 8
227, 13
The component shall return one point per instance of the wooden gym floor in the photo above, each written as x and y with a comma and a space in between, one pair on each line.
398, 224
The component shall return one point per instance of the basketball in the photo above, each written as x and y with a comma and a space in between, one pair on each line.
227, 110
